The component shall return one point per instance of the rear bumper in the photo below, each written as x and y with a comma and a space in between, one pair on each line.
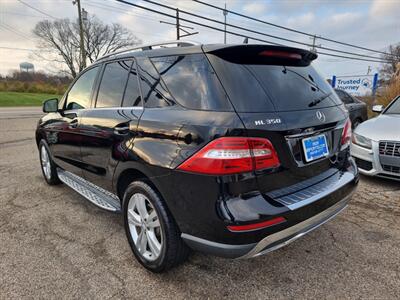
284, 237
269, 243
300, 220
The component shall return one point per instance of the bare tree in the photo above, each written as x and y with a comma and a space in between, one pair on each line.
101, 39
390, 69
58, 41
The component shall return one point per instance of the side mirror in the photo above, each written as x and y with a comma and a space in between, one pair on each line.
378, 108
50, 105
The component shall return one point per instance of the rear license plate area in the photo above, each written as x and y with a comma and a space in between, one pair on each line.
315, 147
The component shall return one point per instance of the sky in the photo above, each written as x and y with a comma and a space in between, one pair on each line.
373, 24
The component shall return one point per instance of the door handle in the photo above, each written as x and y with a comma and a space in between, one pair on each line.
121, 130
73, 123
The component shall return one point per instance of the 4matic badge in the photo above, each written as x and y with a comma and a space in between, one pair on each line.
268, 122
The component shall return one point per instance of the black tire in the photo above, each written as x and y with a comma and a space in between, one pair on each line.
173, 250
52, 178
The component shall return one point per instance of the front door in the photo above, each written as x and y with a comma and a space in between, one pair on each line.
110, 126
64, 134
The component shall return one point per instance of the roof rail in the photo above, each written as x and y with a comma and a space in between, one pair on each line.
150, 47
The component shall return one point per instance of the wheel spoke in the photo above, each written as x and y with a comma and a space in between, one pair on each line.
153, 223
134, 218
142, 242
154, 244
152, 215
141, 207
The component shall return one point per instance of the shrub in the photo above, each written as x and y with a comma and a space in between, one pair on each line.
389, 92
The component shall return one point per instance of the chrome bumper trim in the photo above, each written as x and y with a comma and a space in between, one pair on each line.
284, 237
314, 192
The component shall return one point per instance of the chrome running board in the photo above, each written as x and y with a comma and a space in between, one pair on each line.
95, 194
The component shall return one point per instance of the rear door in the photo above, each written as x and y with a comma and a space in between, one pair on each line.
110, 125
64, 134
287, 102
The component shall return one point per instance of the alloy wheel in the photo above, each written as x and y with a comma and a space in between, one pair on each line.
45, 160
144, 227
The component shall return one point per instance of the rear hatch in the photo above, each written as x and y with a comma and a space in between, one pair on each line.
280, 96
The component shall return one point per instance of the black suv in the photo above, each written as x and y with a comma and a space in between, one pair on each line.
234, 150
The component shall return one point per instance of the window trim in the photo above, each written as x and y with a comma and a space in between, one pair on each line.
103, 68
134, 64
66, 94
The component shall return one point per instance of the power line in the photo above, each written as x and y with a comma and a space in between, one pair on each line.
38, 10
268, 35
116, 9
14, 48
17, 32
291, 29
235, 33
123, 11
20, 14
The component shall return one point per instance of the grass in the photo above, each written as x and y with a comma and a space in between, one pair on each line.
24, 99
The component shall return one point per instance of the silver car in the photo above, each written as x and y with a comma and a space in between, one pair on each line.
376, 143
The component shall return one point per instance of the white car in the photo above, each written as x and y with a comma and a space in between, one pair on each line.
376, 143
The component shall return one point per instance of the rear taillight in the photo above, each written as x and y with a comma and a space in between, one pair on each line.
346, 134
281, 54
231, 155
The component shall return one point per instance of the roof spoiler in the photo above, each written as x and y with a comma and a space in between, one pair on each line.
263, 54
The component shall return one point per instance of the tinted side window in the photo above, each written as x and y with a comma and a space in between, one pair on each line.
113, 83
346, 99
155, 93
132, 92
192, 81
79, 95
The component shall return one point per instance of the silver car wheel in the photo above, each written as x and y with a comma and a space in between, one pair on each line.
144, 227
45, 160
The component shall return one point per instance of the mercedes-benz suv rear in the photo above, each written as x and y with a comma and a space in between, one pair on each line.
233, 150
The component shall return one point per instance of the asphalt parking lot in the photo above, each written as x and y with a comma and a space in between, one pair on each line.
55, 244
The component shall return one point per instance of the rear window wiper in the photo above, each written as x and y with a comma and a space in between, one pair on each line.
319, 100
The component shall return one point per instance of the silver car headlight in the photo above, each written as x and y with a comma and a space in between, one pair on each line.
361, 141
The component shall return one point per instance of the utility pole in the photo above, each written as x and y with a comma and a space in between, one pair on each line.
180, 27
177, 24
314, 44
225, 12
82, 44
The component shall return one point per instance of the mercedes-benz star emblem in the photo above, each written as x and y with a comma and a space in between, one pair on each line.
321, 116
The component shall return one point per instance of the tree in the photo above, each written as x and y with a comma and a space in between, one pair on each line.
58, 41
390, 69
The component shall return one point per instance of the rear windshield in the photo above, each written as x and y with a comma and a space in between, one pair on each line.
267, 88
